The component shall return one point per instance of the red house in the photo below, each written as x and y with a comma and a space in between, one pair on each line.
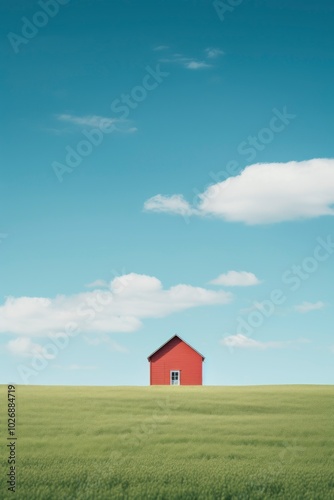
176, 363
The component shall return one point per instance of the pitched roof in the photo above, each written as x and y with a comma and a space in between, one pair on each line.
177, 336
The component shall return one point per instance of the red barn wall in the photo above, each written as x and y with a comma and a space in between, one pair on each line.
176, 355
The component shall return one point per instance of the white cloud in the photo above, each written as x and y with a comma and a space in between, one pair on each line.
240, 340
305, 307
244, 342
274, 192
23, 346
191, 63
174, 204
196, 64
161, 47
130, 299
236, 278
119, 125
187, 62
88, 120
213, 53
266, 193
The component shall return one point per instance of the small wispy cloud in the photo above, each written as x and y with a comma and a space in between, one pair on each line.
174, 204
196, 64
87, 120
236, 278
97, 121
23, 346
243, 342
212, 53
305, 307
192, 63
187, 62
97, 284
158, 48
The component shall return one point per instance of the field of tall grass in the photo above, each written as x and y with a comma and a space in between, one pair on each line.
172, 442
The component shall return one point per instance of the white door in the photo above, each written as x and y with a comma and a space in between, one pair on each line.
175, 377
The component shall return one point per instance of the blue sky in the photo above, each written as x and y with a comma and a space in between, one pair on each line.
167, 168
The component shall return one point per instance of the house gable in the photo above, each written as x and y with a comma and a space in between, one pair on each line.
176, 357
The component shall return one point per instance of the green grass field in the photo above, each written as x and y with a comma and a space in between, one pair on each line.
172, 442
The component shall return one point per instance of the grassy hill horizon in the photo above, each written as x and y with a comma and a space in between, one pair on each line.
163, 442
